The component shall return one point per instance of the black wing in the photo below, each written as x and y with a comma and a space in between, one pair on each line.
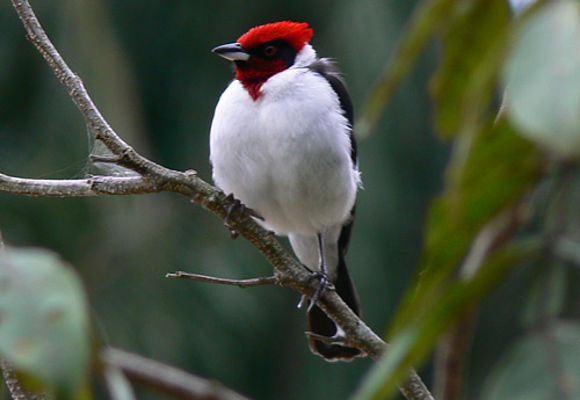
327, 70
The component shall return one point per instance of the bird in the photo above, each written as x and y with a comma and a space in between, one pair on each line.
282, 143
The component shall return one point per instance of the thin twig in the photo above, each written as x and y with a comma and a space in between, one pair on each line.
155, 177
104, 159
243, 283
165, 378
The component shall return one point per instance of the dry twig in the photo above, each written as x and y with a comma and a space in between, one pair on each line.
243, 283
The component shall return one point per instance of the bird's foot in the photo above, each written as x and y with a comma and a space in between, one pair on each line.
236, 205
239, 207
323, 284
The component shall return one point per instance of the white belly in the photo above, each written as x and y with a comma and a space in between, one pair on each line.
289, 161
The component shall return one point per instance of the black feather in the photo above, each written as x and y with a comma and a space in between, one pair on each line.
328, 71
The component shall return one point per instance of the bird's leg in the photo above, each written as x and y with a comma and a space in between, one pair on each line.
321, 274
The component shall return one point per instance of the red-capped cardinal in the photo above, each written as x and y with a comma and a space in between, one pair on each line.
282, 143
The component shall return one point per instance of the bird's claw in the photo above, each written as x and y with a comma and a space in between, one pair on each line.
322, 286
338, 338
254, 213
234, 205
237, 206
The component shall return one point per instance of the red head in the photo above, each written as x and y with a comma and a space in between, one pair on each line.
297, 34
264, 51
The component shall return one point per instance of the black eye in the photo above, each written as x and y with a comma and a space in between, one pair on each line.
270, 50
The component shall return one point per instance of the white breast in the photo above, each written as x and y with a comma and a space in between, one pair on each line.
286, 155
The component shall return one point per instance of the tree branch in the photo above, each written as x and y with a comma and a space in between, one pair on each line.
92, 186
164, 378
155, 178
243, 283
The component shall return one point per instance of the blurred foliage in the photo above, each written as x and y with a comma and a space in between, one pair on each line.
44, 332
411, 344
465, 80
493, 179
548, 359
148, 67
543, 79
467, 205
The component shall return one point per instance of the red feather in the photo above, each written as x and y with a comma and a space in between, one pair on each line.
295, 33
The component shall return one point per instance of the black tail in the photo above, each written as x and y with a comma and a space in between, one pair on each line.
320, 324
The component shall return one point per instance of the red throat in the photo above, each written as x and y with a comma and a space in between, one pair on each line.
254, 74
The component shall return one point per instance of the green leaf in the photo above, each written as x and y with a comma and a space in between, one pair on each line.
542, 365
474, 40
542, 77
44, 327
412, 344
497, 169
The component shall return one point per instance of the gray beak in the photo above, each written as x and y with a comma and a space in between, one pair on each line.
232, 52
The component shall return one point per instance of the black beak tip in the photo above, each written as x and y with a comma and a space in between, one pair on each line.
231, 51
227, 48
